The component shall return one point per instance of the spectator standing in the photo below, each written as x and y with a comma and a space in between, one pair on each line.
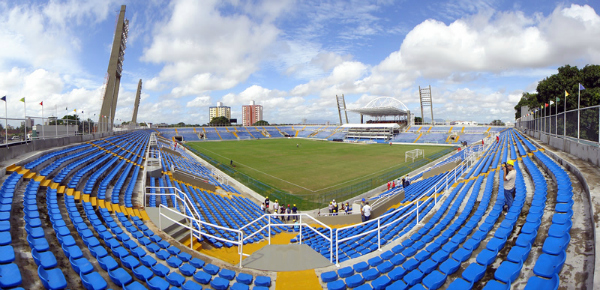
262, 207
394, 184
330, 207
267, 203
366, 212
289, 211
389, 185
335, 206
276, 206
295, 211
497, 139
348, 208
510, 174
282, 212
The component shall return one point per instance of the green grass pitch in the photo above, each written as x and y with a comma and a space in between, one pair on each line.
314, 166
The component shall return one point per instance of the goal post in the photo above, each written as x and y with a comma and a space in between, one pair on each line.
414, 154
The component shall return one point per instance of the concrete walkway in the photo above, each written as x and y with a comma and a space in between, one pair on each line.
285, 258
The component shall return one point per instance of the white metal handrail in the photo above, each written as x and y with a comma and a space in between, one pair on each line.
184, 200
463, 167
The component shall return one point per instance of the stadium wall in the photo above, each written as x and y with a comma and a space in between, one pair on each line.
583, 151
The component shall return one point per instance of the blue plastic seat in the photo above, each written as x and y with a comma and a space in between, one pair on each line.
184, 256
536, 282
142, 273
360, 267
244, 278
187, 269
336, 285
434, 280
130, 262
202, 277
191, 285
548, 265
10, 276
211, 269
108, 263
496, 285
486, 257
138, 252
397, 273
175, 279
174, 262
554, 245
158, 283
329, 276
398, 285
81, 265
413, 277
148, 261
263, 281
163, 255
219, 283
51, 279
160, 270
93, 281
120, 277
381, 283
460, 284
44, 259
355, 281
197, 263
518, 254
449, 266
474, 272
345, 272
371, 274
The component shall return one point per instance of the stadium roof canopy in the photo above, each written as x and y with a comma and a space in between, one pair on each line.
382, 106
385, 125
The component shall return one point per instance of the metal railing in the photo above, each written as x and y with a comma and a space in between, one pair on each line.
444, 183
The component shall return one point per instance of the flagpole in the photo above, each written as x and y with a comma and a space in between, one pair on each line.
578, 104
56, 122
556, 119
565, 116
25, 113
43, 132
5, 121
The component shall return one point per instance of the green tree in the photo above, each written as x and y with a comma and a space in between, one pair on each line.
143, 124
180, 124
418, 120
261, 123
497, 123
220, 121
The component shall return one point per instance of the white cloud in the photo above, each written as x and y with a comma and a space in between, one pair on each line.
200, 101
204, 49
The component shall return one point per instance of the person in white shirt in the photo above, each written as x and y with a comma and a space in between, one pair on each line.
366, 212
510, 174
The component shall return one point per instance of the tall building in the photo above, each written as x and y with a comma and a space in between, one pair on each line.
219, 111
251, 114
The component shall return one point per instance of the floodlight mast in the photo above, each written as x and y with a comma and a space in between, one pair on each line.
115, 68
341, 104
426, 101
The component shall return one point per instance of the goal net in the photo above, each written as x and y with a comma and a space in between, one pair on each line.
413, 154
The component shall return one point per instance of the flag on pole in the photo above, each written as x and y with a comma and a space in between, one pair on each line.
551, 102
557, 99
75, 110
3, 98
581, 87
566, 94
546, 105
42, 103
22, 100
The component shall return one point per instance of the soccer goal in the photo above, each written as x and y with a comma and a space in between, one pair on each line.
413, 154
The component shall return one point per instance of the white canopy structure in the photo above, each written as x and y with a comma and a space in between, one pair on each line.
383, 106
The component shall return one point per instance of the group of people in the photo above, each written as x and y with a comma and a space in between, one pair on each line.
334, 208
392, 184
281, 209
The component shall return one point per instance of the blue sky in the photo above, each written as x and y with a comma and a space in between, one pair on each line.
292, 57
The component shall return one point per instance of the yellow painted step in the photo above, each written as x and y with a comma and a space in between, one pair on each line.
69, 191
124, 210
13, 168
86, 198
46, 183
144, 215
300, 280
77, 195
93, 201
109, 207
39, 178
129, 211
101, 203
